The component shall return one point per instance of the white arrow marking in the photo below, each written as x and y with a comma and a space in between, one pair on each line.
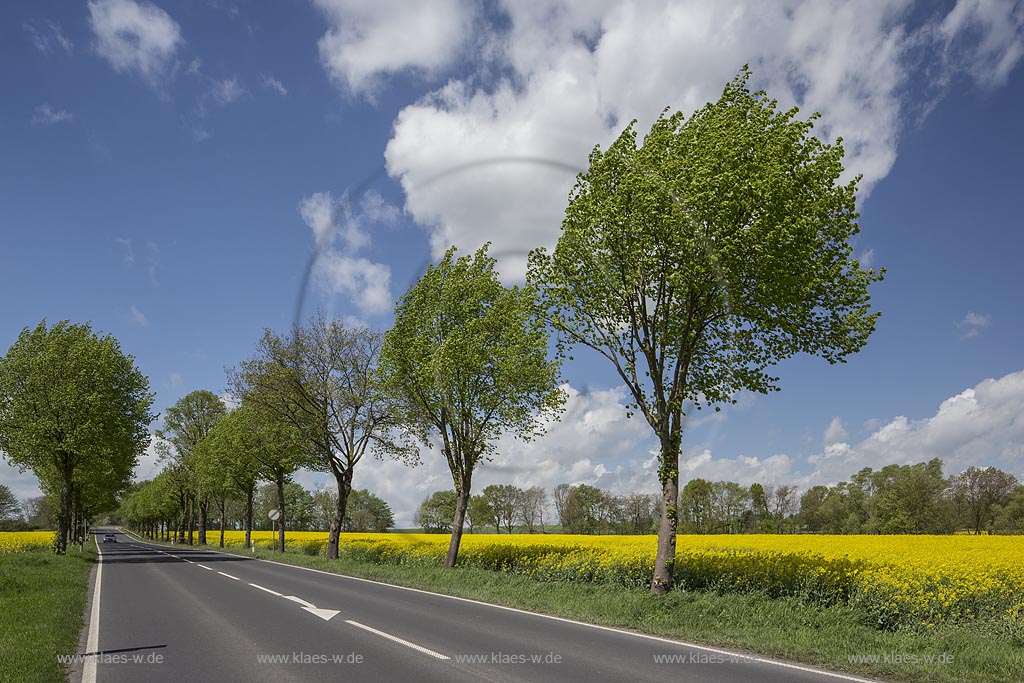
325, 614
299, 600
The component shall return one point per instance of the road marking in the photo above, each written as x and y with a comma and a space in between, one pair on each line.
298, 600
92, 643
414, 646
325, 614
228, 575
266, 589
679, 643
204, 567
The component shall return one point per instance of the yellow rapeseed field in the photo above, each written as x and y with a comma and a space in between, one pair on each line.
21, 541
898, 581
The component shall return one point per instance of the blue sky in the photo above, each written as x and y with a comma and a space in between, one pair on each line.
165, 168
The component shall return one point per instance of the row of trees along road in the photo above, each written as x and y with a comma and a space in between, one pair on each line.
692, 263
74, 410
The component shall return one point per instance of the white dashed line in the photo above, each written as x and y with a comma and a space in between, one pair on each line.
254, 585
396, 639
228, 575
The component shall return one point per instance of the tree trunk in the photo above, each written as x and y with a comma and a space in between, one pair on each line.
204, 515
664, 561
461, 503
64, 516
248, 518
344, 481
280, 520
191, 518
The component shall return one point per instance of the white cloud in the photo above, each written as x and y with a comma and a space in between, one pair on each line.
593, 443
176, 380
138, 317
129, 251
973, 323
50, 38
340, 231
277, 86
45, 115
135, 37
866, 259
367, 39
835, 432
577, 72
984, 38
226, 91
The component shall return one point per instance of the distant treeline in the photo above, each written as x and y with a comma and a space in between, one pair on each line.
897, 499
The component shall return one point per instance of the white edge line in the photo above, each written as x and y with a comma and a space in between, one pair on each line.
228, 575
382, 634
681, 643
93, 641
256, 585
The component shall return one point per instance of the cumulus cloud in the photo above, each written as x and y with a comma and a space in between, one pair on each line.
973, 323
835, 432
135, 37
367, 39
594, 443
573, 74
45, 115
340, 231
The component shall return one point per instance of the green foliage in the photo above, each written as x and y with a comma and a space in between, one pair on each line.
436, 512
74, 409
467, 361
699, 259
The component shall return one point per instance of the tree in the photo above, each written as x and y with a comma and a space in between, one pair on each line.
467, 361
368, 513
701, 258
9, 507
812, 508
435, 512
696, 505
504, 501
74, 409
532, 503
322, 379
979, 490
479, 513
186, 424
1009, 516
226, 453
276, 448
38, 513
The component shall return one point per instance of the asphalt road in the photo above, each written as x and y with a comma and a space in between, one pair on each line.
178, 614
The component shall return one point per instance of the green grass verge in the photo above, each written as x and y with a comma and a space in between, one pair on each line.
782, 628
42, 604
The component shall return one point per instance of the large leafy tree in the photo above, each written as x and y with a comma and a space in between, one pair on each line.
271, 445
322, 380
467, 360
697, 260
74, 409
186, 424
227, 464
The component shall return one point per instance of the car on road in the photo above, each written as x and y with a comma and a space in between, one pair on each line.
109, 538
